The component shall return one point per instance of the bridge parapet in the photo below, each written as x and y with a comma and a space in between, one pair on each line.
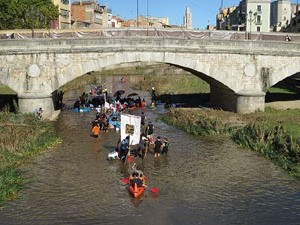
146, 32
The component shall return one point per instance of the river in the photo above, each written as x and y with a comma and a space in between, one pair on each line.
202, 180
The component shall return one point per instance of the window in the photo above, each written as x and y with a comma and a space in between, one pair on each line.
65, 2
259, 8
258, 29
258, 19
64, 13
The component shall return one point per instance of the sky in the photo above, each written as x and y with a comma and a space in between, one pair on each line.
203, 11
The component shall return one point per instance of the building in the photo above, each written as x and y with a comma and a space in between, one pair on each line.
89, 14
249, 15
226, 18
281, 15
147, 22
116, 22
258, 15
64, 19
294, 25
187, 19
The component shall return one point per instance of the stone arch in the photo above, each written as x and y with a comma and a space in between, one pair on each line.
198, 66
284, 72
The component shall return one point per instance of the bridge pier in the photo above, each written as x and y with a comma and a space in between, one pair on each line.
250, 101
243, 102
29, 102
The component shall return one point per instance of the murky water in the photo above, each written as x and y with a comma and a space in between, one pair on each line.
201, 181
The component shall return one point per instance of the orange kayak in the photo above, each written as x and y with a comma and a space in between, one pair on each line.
136, 191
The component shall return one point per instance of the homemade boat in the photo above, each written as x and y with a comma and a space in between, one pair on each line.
136, 191
115, 120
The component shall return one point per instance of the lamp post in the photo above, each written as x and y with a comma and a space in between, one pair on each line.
137, 13
250, 20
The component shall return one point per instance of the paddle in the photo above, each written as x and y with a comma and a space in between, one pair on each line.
125, 180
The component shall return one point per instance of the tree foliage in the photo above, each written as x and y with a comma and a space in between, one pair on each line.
27, 14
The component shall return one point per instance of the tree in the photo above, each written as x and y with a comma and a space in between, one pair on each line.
27, 14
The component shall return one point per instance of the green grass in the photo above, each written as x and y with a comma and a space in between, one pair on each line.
278, 90
6, 90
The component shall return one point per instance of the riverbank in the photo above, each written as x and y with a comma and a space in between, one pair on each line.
273, 134
22, 136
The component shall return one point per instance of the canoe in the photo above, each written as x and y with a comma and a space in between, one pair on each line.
136, 191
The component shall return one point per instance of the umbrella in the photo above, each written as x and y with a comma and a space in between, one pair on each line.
119, 92
133, 94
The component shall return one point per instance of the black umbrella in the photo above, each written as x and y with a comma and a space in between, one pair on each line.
118, 93
133, 94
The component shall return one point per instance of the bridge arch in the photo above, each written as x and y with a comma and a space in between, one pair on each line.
198, 66
285, 71
221, 96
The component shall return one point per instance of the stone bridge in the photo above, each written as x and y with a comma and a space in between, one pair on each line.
239, 72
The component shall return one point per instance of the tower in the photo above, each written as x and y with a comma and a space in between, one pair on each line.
187, 19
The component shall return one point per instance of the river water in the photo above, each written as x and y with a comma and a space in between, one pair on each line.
202, 180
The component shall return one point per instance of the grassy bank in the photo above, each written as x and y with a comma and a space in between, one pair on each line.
273, 134
22, 136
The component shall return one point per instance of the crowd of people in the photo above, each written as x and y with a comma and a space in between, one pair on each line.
150, 142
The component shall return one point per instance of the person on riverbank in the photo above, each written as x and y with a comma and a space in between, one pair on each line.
39, 113
157, 147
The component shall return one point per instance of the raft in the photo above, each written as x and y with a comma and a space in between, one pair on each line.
115, 120
136, 191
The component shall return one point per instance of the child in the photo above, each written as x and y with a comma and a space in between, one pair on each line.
96, 130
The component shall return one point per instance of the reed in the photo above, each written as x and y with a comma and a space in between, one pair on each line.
22, 136
255, 131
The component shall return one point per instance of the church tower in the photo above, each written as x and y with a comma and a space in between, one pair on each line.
187, 19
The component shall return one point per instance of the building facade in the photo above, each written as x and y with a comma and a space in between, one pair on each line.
64, 19
249, 15
294, 26
89, 14
258, 15
281, 15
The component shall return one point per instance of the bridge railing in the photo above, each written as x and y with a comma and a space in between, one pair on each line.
139, 32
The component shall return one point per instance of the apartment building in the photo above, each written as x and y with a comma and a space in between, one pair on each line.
249, 16
64, 19
89, 14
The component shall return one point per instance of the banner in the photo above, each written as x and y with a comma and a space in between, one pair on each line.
131, 125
